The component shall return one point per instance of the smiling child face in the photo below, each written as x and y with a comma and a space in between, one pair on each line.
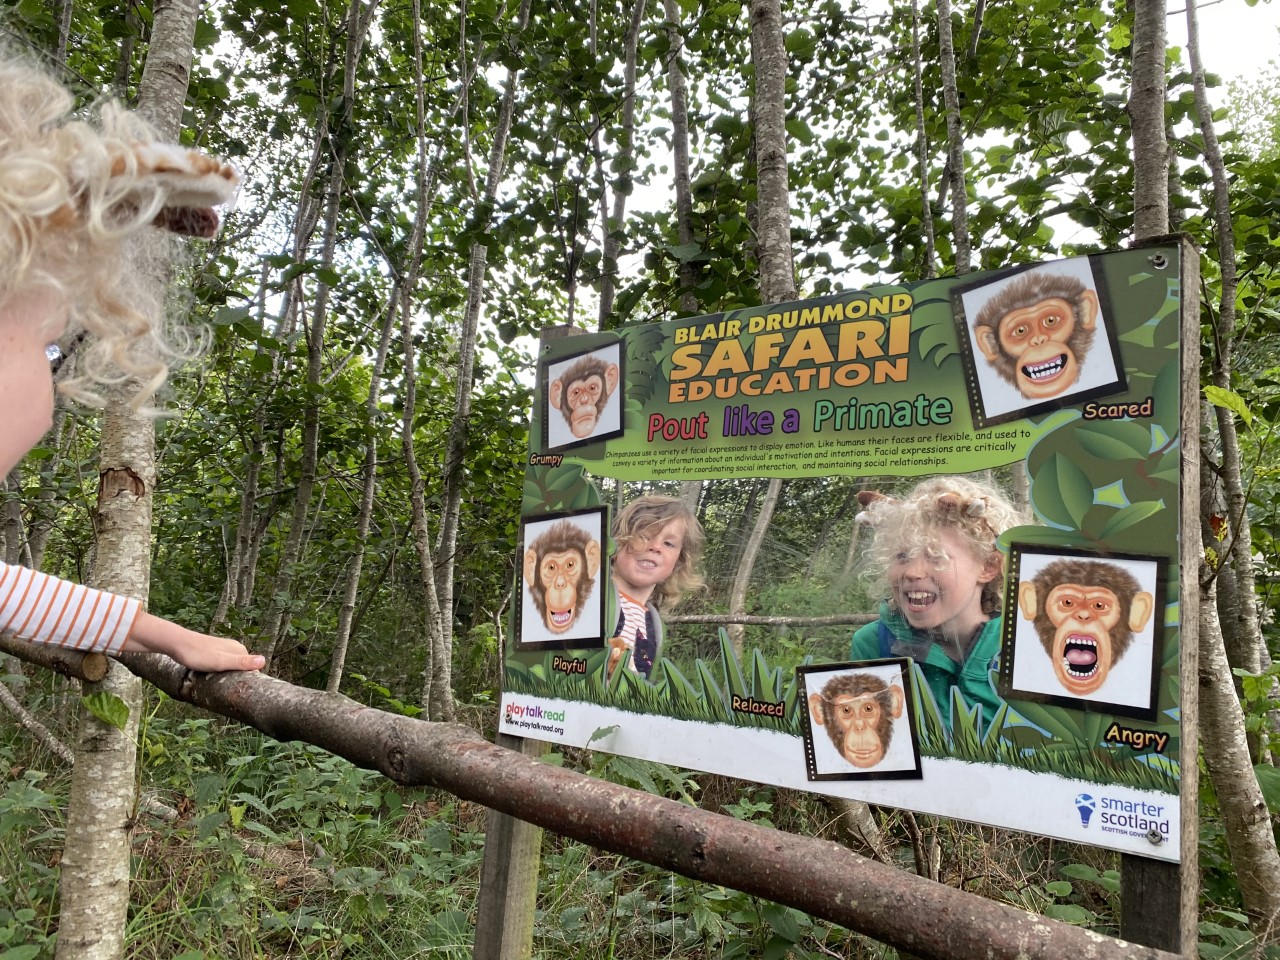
940, 588
645, 562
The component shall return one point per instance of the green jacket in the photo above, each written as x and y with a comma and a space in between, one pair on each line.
940, 672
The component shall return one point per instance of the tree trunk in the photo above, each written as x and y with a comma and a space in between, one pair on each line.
364, 520
94, 882
922, 149
1146, 118
338, 140
1250, 836
688, 272
437, 694
955, 141
626, 161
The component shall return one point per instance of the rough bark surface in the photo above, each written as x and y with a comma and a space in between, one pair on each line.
1146, 119
94, 882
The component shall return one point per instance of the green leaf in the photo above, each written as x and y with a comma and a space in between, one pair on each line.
108, 708
25, 952
601, 732
1058, 888
1230, 400
1269, 781
1069, 913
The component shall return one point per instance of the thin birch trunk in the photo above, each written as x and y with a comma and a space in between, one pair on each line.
359, 16
777, 284
369, 483
922, 149
1146, 118
955, 140
773, 231
1250, 834
438, 689
94, 882
419, 526
688, 272
1243, 623
613, 222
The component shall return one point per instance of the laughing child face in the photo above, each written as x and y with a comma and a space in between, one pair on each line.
937, 585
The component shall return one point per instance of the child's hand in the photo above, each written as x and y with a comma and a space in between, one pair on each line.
196, 651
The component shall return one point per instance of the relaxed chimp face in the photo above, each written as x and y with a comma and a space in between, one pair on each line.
582, 393
1037, 331
858, 711
1085, 616
559, 569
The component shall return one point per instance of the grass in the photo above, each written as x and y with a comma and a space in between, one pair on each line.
1037, 738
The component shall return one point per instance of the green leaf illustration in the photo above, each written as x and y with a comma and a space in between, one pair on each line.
1115, 440
1062, 492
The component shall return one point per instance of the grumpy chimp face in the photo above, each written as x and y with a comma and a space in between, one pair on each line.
858, 711
560, 568
582, 392
1037, 331
1085, 615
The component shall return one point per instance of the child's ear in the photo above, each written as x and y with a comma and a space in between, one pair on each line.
992, 569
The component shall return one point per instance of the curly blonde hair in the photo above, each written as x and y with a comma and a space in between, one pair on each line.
978, 512
642, 519
72, 195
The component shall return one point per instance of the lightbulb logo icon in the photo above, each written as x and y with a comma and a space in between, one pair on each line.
1086, 805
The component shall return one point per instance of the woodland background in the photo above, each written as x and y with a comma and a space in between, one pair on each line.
426, 188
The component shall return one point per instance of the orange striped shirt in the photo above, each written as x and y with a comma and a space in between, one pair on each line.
36, 606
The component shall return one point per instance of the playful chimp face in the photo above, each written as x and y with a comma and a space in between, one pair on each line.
858, 711
560, 568
1085, 615
941, 588
582, 393
1036, 333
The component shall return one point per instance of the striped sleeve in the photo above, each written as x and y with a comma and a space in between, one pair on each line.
36, 606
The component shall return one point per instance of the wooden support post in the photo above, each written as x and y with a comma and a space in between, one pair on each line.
508, 877
512, 848
1159, 900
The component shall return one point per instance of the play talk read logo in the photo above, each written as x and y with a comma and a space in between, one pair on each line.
1132, 818
534, 716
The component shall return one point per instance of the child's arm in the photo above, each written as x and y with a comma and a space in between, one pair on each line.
197, 651
36, 606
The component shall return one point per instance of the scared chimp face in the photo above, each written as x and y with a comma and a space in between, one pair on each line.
560, 568
582, 392
1037, 331
1085, 615
858, 711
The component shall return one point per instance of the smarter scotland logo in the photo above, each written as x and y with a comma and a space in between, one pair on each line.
1132, 818
1085, 805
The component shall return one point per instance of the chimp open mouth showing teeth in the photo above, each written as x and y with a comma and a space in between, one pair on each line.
560, 618
1047, 370
1080, 657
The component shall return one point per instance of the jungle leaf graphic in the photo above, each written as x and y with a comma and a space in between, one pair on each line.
1062, 492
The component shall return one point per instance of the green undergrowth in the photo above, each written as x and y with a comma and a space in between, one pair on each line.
281, 850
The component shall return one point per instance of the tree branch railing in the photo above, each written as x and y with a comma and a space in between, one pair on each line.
820, 877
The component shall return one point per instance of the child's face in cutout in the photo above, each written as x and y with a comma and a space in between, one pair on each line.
941, 590
28, 324
645, 562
